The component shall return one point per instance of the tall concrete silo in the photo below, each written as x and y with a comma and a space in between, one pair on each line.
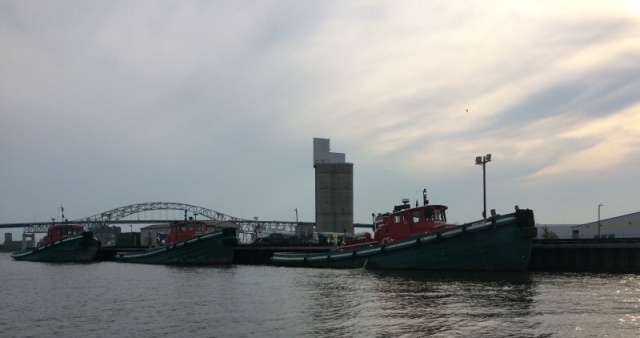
334, 189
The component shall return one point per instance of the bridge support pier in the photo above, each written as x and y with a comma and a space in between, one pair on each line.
24, 240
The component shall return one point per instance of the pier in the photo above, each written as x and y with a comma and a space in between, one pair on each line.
606, 255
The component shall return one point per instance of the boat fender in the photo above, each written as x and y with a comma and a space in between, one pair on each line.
464, 229
439, 236
382, 249
353, 256
418, 241
304, 262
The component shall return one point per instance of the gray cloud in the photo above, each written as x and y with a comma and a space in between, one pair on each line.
104, 104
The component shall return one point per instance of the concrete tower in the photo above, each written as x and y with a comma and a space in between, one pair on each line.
334, 189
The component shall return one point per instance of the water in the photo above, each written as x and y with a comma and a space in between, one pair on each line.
128, 300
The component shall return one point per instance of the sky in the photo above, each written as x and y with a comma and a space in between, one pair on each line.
105, 104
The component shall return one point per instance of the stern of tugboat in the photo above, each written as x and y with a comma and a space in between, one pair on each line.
526, 223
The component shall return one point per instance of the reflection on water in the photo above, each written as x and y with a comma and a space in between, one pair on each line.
129, 300
423, 303
585, 304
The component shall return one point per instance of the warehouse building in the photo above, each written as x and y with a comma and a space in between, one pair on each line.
625, 226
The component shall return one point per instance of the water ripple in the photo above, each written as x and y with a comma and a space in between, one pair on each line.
129, 300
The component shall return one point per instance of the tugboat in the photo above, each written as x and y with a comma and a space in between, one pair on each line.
187, 243
63, 243
420, 238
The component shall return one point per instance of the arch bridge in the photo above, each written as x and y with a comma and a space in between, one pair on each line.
118, 215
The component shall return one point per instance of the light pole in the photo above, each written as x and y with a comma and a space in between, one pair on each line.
484, 160
296, 210
599, 205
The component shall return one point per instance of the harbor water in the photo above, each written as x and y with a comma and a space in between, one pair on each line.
110, 299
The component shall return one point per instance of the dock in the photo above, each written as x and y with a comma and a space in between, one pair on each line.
588, 255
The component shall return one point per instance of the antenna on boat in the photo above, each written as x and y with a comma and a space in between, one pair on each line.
424, 197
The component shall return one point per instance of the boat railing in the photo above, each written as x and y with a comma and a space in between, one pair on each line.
356, 246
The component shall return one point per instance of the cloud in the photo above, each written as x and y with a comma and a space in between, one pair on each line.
609, 144
213, 102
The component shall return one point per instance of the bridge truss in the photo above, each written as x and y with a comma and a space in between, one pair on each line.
118, 215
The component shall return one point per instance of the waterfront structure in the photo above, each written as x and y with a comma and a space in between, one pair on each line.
333, 189
11, 245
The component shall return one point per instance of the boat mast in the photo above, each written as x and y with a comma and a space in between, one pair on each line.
425, 201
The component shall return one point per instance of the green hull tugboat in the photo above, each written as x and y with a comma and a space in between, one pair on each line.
188, 243
63, 243
420, 239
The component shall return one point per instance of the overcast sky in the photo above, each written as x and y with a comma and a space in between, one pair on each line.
104, 104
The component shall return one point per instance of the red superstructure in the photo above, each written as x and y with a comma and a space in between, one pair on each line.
184, 230
405, 222
59, 231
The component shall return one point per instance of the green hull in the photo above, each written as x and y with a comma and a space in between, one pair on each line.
212, 248
501, 243
73, 249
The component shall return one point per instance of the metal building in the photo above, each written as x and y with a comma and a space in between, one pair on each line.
624, 226
334, 189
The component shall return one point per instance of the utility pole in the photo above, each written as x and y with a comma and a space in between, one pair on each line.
599, 205
483, 160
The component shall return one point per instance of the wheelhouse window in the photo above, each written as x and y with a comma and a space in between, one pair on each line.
435, 214
428, 214
72, 231
396, 219
416, 216
438, 215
